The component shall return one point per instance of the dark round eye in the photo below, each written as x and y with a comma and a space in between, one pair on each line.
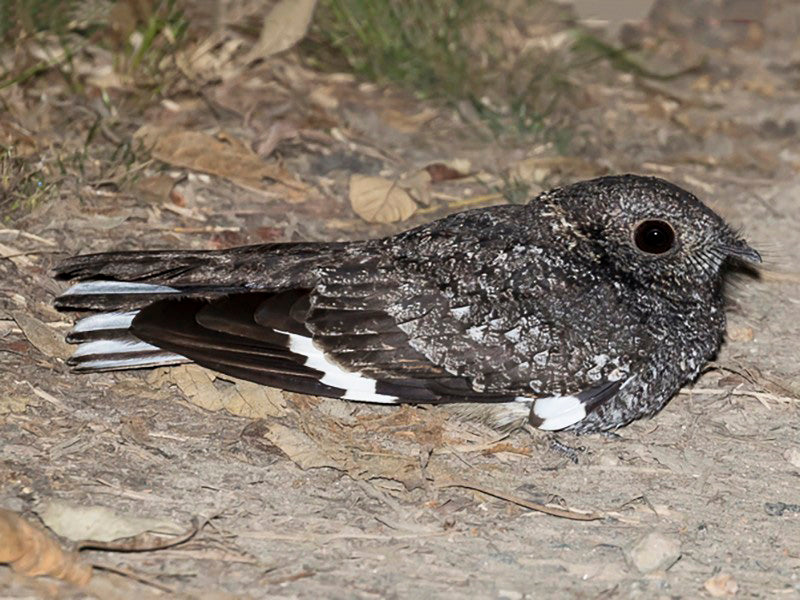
654, 236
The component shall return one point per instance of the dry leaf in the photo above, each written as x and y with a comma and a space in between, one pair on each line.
303, 450
157, 188
406, 123
284, 26
418, 185
447, 170
43, 337
14, 404
98, 522
241, 398
30, 551
309, 453
538, 168
230, 159
278, 132
197, 384
211, 59
378, 200
254, 401
16, 256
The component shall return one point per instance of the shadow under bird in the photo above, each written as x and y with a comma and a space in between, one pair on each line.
583, 310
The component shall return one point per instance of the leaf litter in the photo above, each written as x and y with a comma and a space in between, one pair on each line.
98, 523
273, 131
29, 550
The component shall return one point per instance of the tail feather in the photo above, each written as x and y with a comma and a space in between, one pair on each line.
152, 265
265, 266
105, 343
114, 296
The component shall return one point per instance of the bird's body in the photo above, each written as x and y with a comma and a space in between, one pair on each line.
584, 310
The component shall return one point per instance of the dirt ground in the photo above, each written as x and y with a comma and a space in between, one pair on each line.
299, 497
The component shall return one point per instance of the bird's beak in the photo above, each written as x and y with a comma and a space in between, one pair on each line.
742, 250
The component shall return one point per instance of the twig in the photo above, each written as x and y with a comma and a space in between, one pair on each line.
135, 576
31, 252
463, 203
197, 526
549, 510
31, 236
288, 578
45, 396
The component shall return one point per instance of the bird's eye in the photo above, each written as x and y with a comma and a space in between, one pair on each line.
654, 236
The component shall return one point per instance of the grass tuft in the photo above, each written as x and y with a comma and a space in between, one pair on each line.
417, 43
24, 184
447, 50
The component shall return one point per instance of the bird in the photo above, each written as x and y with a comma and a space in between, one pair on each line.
583, 310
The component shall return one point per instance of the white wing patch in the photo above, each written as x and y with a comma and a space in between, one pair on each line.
356, 386
556, 412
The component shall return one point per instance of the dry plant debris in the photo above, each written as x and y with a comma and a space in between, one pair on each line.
717, 470
285, 25
27, 549
98, 523
379, 200
230, 159
238, 397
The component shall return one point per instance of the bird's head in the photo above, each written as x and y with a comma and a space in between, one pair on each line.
648, 230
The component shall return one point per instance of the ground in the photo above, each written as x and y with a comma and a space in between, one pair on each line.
299, 497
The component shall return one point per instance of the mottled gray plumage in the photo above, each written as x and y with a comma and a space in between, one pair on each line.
584, 310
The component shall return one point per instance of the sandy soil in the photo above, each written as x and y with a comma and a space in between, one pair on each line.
308, 498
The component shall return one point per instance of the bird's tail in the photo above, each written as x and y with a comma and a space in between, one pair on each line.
126, 280
117, 285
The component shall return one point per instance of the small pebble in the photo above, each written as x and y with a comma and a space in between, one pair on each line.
778, 509
721, 585
608, 460
792, 456
654, 552
741, 334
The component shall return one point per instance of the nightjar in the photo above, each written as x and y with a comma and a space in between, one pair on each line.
583, 310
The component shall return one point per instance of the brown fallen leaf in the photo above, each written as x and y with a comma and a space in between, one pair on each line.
304, 451
406, 123
253, 400
447, 170
238, 397
538, 168
14, 404
29, 550
230, 159
157, 188
418, 186
197, 384
16, 256
309, 453
284, 26
379, 200
43, 337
